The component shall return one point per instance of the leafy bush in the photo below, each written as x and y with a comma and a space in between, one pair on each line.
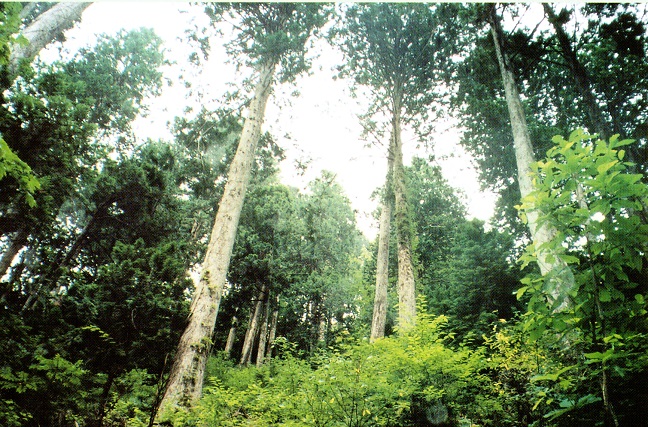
412, 379
585, 190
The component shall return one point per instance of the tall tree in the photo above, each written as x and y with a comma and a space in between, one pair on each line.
560, 278
379, 318
326, 245
392, 49
268, 35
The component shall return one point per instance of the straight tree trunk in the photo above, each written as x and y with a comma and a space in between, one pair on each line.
231, 336
253, 327
273, 328
382, 259
186, 377
406, 285
321, 331
263, 331
48, 26
559, 275
247, 340
580, 75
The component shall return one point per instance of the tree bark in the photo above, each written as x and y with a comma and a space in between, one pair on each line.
580, 75
560, 279
406, 285
273, 328
231, 336
16, 242
186, 377
263, 331
253, 327
47, 27
382, 259
321, 330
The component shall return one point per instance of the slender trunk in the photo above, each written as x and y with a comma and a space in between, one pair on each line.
318, 323
273, 327
321, 331
253, 327
50, 282
247, 341
47, 27
263, 331
105, 394
16, 242
382, 259
406, 285
186, 377
580, 75
604, 381
231, 336
560, 277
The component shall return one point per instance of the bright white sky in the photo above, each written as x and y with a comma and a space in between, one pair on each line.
321, 122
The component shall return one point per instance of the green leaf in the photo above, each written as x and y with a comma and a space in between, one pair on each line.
606, 166
604, 295
614, 143
521, 292
551, 377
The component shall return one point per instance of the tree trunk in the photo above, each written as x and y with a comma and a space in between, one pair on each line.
273, 328
321, 331
406, 285
231, 336
16, 242
580, 75
559, 276
263, 331
253, 327
47, 27
382, 259
186, 377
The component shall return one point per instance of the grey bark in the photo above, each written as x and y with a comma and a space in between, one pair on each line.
263, 332
253, 327
186, 377
273, 328
46, 28
16, 242
406, 284
560, 279
231, 336
382, 259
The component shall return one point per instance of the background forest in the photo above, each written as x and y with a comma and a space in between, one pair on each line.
179, 282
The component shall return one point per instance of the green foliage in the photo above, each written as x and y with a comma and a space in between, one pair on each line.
406, 380
53, 115
23, 401
11, 165
129, 62
394, 53
10, 18
131, 400
304, 248
272, 33
584, 189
